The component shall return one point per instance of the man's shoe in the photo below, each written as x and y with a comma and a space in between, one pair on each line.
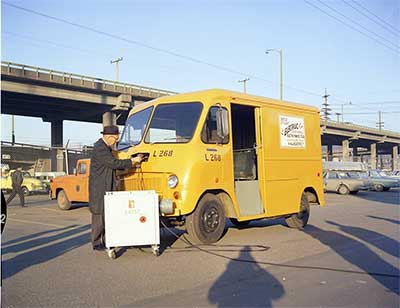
99, 248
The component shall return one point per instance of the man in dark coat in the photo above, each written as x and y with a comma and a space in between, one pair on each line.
16, 180
102, 178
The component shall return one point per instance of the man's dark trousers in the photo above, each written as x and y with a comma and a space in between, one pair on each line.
98, 234
17, 190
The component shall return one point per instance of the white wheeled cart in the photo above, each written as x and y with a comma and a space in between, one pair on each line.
131, 219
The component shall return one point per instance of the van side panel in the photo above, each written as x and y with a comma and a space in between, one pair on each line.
289, 166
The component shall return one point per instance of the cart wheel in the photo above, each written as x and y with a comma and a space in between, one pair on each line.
111, 254
156, 250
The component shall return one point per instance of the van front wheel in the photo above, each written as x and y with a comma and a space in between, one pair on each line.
207, 223
300, 219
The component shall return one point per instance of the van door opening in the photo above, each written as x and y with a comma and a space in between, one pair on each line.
245, 160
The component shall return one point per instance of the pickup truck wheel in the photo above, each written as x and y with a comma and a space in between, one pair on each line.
343, 190
25, 191
378, 187
300, 219
62, 201
207, 223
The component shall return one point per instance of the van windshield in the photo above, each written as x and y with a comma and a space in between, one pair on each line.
134, 129
173, 123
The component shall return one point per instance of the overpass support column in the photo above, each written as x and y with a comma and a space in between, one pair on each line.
355, 154
56, 133
373, 156
109, 118
395, 158
329, 152
345, 150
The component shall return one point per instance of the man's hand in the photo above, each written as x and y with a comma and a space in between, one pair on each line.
137, 159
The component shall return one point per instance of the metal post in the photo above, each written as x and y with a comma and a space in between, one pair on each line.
12, 130
66, 157
345, 150
395, 158
373, 156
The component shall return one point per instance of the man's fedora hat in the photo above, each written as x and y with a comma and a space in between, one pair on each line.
110, 130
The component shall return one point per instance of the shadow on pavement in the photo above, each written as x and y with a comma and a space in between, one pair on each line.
360, 255
379, 240
397, 222
24, 260
245, 284
390, 197
31, 236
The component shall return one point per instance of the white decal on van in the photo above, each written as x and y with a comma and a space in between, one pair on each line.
292, 132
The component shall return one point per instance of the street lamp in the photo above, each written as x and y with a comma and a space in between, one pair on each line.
349, 103
116, 61
280, 64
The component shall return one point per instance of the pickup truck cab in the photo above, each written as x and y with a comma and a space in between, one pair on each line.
71, 188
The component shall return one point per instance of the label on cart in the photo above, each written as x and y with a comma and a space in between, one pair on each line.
131, 218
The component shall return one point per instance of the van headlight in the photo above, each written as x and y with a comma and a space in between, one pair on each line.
172, 181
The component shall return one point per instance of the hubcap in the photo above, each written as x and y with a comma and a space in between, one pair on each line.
211, 220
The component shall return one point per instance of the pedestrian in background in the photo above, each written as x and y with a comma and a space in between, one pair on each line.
16, 180
102, 178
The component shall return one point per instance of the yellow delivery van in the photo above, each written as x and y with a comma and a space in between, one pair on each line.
217, 154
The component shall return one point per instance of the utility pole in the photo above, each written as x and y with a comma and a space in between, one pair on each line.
325, 106
338, 117
280, 69
116, 61
244, 83
380, 123
12, 130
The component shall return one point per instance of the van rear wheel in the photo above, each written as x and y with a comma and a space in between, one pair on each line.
62, 201
300, 219
207, 222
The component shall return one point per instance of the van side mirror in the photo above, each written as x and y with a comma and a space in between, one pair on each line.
222, 123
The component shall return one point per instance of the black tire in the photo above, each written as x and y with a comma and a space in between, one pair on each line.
26, 191
63, 201
3, 212
343, 190
207, 222
300, 219
386, 188
239, 224
378, 187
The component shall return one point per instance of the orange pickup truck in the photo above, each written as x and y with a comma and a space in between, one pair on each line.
72, 188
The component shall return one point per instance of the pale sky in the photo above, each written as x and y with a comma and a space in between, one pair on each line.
350, 47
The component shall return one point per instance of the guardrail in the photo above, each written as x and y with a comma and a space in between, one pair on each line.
68, 78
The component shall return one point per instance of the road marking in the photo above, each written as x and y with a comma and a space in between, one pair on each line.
35, 223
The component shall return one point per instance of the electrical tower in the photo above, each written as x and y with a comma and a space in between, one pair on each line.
326, 111
380, 124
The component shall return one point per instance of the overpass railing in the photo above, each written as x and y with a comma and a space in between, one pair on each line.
44, 74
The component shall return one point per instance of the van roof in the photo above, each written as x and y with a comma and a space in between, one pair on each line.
217, 93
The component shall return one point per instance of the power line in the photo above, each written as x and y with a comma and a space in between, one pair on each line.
375, 16
349, 26
358, 24
373, 20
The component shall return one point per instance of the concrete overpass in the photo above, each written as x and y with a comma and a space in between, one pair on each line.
56, 96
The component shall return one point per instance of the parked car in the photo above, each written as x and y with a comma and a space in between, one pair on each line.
341, 182
30, 185
363, 176
45, 177
381, 182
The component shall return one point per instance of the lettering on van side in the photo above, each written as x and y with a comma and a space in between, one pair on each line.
163, 153
212, 157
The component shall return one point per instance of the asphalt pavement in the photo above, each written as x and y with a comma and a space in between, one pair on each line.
348, 255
